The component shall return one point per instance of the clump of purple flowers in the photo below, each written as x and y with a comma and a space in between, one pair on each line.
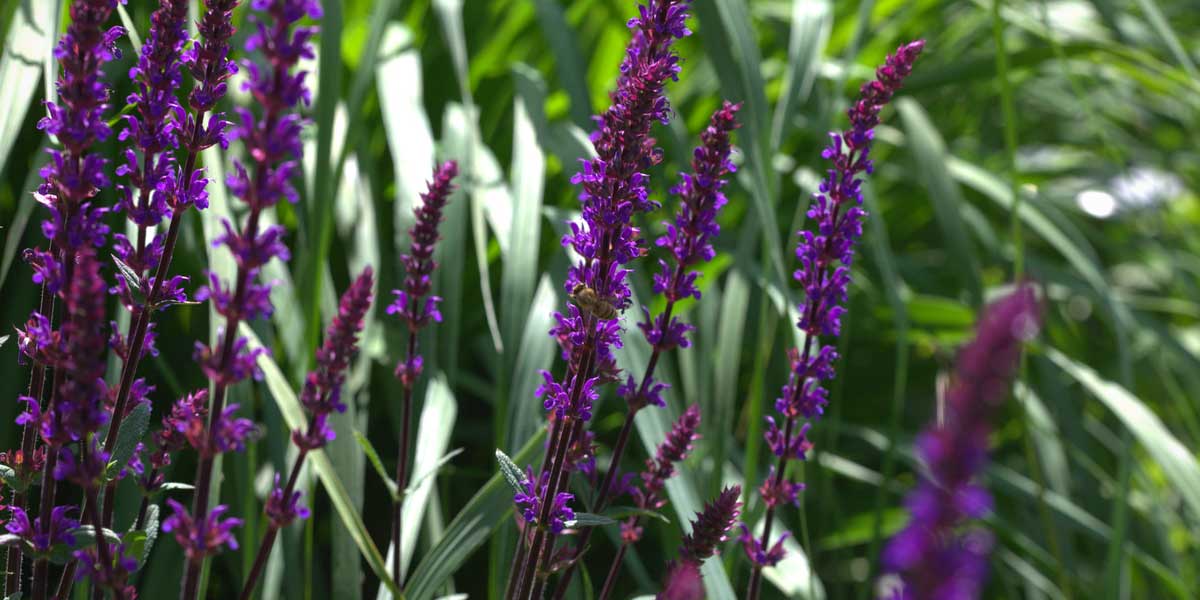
417, 308
825, 257
936, 554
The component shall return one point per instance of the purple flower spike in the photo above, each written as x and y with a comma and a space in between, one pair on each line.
411, 303
710, 526
79, 409
684, 582
284, 508
825, 256
674, 449
154, 132
322, 387
204, 536
528, 502
758, 553
935, 555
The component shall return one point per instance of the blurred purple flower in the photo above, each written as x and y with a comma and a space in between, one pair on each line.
935, 555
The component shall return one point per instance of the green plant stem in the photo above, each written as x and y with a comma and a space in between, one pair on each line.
1009, 112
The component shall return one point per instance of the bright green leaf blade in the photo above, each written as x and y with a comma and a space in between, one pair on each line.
1177, 462
26, 41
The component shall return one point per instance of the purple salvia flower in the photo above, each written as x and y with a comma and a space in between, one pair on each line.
710, 526
613, 188
529, 503
209, 63
73, 177
689, 240
673, 449
934, 555
825, 256
322, 387
154, 135
84, 469
283, 506
224, 432
412, 303
204, 536
684, 582
708, 531
40, 537
78, 350
114, 576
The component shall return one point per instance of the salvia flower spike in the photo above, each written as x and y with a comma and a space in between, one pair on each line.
417, 307
937, 555
825, 256
273, 148
708, 532
321, 396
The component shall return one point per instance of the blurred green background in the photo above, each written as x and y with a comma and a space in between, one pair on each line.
1054, 139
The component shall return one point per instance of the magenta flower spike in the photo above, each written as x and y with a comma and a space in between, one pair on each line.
708, 532
939, 554
321, 396
825, 256
417, 307
273, 148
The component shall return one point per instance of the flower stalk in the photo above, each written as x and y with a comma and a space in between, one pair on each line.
321, 396
938, 555
273, 143
416, 308
825, 257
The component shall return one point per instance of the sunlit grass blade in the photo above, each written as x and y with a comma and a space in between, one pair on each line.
27, 39
811, 25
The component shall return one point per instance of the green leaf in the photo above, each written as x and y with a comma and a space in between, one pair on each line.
293, 414
534, 354
28, 38
132, 429
148, 535
584, 519
470, 529
377, 463
512, 473
433, 436
528, 176
409, 136
569, 63
929, 151
10, 478
176, 486
441, 462
1177, 462
10, 539
85, 535
812, 22
621, 513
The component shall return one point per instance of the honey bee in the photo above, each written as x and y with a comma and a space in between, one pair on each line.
593, 303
